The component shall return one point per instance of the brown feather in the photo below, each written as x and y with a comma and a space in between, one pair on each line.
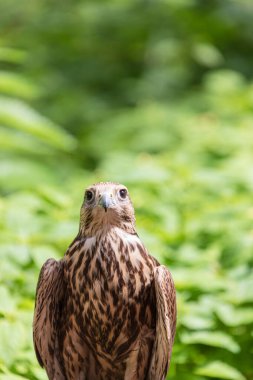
107, 310
47, 318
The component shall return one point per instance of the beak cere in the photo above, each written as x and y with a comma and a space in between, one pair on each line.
106, 201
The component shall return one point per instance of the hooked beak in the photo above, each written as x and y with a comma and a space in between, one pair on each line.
106, 201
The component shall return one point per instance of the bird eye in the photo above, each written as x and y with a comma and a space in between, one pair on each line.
123, 193
89, 195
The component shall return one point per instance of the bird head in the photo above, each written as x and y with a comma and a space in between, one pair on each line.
106, 205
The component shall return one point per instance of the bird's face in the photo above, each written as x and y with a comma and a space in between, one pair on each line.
107, 204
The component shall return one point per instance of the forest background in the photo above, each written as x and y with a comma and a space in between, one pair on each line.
157, 95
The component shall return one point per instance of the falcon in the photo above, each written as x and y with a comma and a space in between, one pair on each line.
107, 309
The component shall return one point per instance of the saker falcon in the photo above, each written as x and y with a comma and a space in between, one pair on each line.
107, 309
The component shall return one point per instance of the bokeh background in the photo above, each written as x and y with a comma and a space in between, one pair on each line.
157, 95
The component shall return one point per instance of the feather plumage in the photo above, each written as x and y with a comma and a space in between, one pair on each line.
107, 310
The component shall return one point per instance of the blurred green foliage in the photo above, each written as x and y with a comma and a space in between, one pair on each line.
157, 95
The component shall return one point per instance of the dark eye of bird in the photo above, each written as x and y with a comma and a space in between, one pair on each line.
89, 195
123, 193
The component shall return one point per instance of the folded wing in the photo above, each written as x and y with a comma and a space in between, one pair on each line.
47, 315
166, 313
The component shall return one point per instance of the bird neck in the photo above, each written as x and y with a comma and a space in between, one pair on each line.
98, 222
105, 229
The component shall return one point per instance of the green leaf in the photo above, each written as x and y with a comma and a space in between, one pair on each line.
211, 338
11, 376
12, 55
207, 55
39, 373
224, 82
13, 339
17, 114
238, 291
220, 370
16, 85
201, 278
41, 253
234, 316
18, 142
23, 174
7, 302
197, 322
146, 169
18, 253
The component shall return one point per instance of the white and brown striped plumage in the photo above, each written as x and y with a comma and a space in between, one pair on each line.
107, 310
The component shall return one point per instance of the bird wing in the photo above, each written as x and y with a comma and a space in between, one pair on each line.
166, 313
49, 297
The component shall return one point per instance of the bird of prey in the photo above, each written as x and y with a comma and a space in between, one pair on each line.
107, 309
